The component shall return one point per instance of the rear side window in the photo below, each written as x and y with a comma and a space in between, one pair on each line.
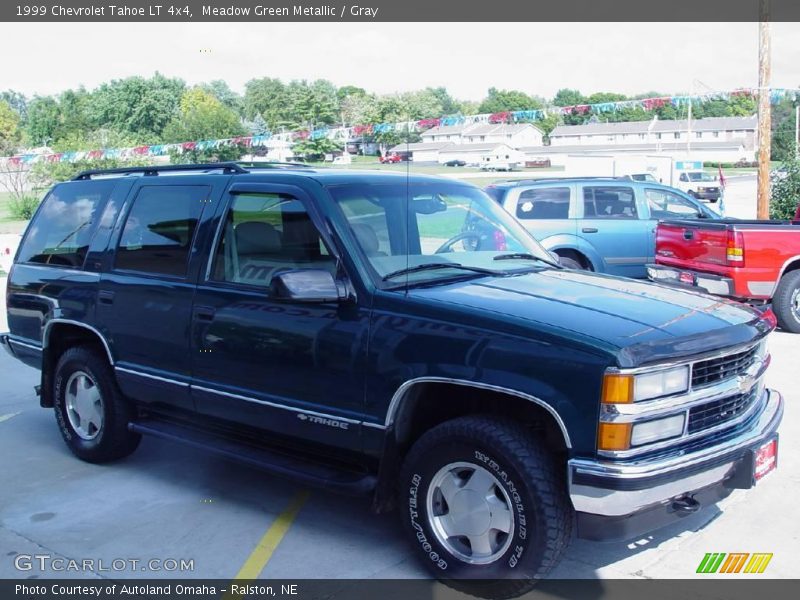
608, 202
159, 229
64, 225
544, 203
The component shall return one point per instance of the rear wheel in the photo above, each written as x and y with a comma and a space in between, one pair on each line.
91, 412
786, 303
485, 506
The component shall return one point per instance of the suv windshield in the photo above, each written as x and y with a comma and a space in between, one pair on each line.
698, 176
431, 231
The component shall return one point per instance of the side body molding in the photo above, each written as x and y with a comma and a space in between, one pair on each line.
402, 393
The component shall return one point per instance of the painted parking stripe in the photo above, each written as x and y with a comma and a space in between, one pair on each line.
261, 554
7, 417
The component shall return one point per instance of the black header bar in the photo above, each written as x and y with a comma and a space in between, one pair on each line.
396, 10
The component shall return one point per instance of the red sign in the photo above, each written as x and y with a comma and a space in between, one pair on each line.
766, 459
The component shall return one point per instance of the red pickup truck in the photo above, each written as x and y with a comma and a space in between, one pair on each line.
752, 261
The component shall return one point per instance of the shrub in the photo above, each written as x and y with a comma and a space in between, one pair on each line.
23, 207
785, 194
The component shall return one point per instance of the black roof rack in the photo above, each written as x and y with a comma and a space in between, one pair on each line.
153, 170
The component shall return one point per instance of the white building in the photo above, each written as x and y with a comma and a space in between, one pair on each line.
480, 153
740, 131
421, 151
516, 136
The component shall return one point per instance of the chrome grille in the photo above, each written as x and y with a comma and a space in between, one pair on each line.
713, 370
711, 414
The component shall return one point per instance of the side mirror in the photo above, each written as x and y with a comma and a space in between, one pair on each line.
307, 285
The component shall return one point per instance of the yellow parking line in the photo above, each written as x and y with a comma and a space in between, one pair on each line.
261, 554
7, 417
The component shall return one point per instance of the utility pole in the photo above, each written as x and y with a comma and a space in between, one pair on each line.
764, 116
797, 130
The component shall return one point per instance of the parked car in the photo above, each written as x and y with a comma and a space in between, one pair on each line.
497, 165
332, 326
601, 224
390, 159
699, 184
641, 177
751, 261
455, 163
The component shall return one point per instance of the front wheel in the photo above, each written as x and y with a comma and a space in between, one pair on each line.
484, 505
786, 303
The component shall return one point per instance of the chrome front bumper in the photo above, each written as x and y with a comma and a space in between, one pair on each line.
621, 489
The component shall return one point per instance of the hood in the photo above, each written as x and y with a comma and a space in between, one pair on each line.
643, 321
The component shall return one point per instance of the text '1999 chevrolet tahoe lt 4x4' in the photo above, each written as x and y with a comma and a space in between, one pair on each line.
356, 331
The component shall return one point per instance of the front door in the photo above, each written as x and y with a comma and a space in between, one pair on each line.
295, 368
611, 224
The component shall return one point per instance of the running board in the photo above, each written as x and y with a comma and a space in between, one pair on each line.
299, 469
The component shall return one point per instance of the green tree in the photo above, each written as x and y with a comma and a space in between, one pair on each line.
783, 130
44, 121
142, 107
9, 128
266, 97
568, 97
202, 117
17, 101
507, 100
450, 105
785, 193
315, 149
222, 92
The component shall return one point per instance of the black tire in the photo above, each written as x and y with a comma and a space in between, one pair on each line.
111, 440
784, 303
570, 263
525, 473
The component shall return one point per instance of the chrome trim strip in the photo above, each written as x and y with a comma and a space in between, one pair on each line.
12, 340
49, 324
149, 376
403, 389
647, 409
601, 501
684, 437
373, 425
275, 405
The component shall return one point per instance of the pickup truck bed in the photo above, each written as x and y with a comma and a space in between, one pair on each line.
752, 261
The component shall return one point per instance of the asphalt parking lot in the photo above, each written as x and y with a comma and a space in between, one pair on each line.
172, 502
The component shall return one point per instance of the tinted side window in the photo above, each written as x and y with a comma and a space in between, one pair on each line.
608, 202
63, 227
544, 203
160, 228
666, 205
264, 234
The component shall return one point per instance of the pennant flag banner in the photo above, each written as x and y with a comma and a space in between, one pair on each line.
345, 133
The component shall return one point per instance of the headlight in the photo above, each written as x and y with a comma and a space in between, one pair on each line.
624, 389
654, 431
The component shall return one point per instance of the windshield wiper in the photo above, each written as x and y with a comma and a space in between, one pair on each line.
437, 266
523, 256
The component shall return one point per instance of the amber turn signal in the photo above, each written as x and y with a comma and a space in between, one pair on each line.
614, 436
617, 389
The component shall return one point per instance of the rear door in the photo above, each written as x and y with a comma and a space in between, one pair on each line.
546, 211
146, 291
610, 223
